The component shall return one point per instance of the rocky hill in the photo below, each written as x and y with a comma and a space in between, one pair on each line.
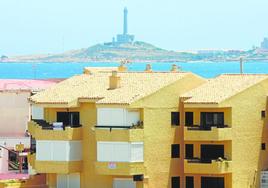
137, 51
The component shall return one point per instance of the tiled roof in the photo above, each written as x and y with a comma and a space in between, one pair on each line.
100, 69
222, 87
31, 85
134, 86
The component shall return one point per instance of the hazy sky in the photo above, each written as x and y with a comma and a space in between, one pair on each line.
51, 26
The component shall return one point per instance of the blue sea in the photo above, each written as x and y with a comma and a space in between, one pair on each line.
65, 70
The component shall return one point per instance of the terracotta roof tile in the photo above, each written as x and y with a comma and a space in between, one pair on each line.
222, 87
134, 86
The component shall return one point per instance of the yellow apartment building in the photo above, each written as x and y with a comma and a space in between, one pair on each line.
224, 133
111, 129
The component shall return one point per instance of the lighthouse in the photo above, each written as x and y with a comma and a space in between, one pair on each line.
125, 21
125, 37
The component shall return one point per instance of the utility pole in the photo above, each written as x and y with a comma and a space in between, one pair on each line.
241, 65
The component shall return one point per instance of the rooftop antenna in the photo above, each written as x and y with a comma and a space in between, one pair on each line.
241, 65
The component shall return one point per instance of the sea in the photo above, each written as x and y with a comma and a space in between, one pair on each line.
47, 70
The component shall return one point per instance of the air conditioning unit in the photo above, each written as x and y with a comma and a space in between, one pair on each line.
264, 179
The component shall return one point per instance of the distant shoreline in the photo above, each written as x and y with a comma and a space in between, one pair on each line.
139, 61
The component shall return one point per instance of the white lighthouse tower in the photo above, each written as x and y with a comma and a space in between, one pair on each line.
125, 37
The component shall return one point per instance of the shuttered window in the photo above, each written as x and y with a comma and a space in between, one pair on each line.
120, 152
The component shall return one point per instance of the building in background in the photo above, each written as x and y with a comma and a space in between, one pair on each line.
264, 44
15, 113
264, 47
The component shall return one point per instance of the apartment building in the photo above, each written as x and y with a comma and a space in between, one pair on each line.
15, 114
224, 133
111, 129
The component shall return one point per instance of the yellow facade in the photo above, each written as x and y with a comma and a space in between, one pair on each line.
240, 137
157, 135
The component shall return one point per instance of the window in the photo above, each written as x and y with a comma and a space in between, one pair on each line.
189, 182
175, 151
48, 150
175, 118
211, 152
263, 146
120, 152
189, 118
212, 119
263, 114
114, 117
69, 118
212, 182
189, 151
175, 182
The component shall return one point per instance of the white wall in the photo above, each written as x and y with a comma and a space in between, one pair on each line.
120, 151
37, 112
117, 117
68, 180
47, 150
14, 113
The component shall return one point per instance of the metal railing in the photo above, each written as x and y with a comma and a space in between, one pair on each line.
204, 127
113, 127
205, 160
47, 126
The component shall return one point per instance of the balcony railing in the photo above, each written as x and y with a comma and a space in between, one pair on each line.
208, 166
61, 167
203, 133
47, 126
41, 130
138, 125
119, 133
205, 127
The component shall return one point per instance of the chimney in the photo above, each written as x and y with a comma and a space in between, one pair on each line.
175, 68
122, 67
148, 68
114, 80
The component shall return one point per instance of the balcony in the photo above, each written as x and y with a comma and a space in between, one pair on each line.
199, 133
116, 134
119, 168
41, 130
61, 167
214, 167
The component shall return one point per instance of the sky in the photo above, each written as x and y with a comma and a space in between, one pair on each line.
54, 26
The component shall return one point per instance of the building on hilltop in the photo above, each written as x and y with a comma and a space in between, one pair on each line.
123, 38
264, 47
264, 44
